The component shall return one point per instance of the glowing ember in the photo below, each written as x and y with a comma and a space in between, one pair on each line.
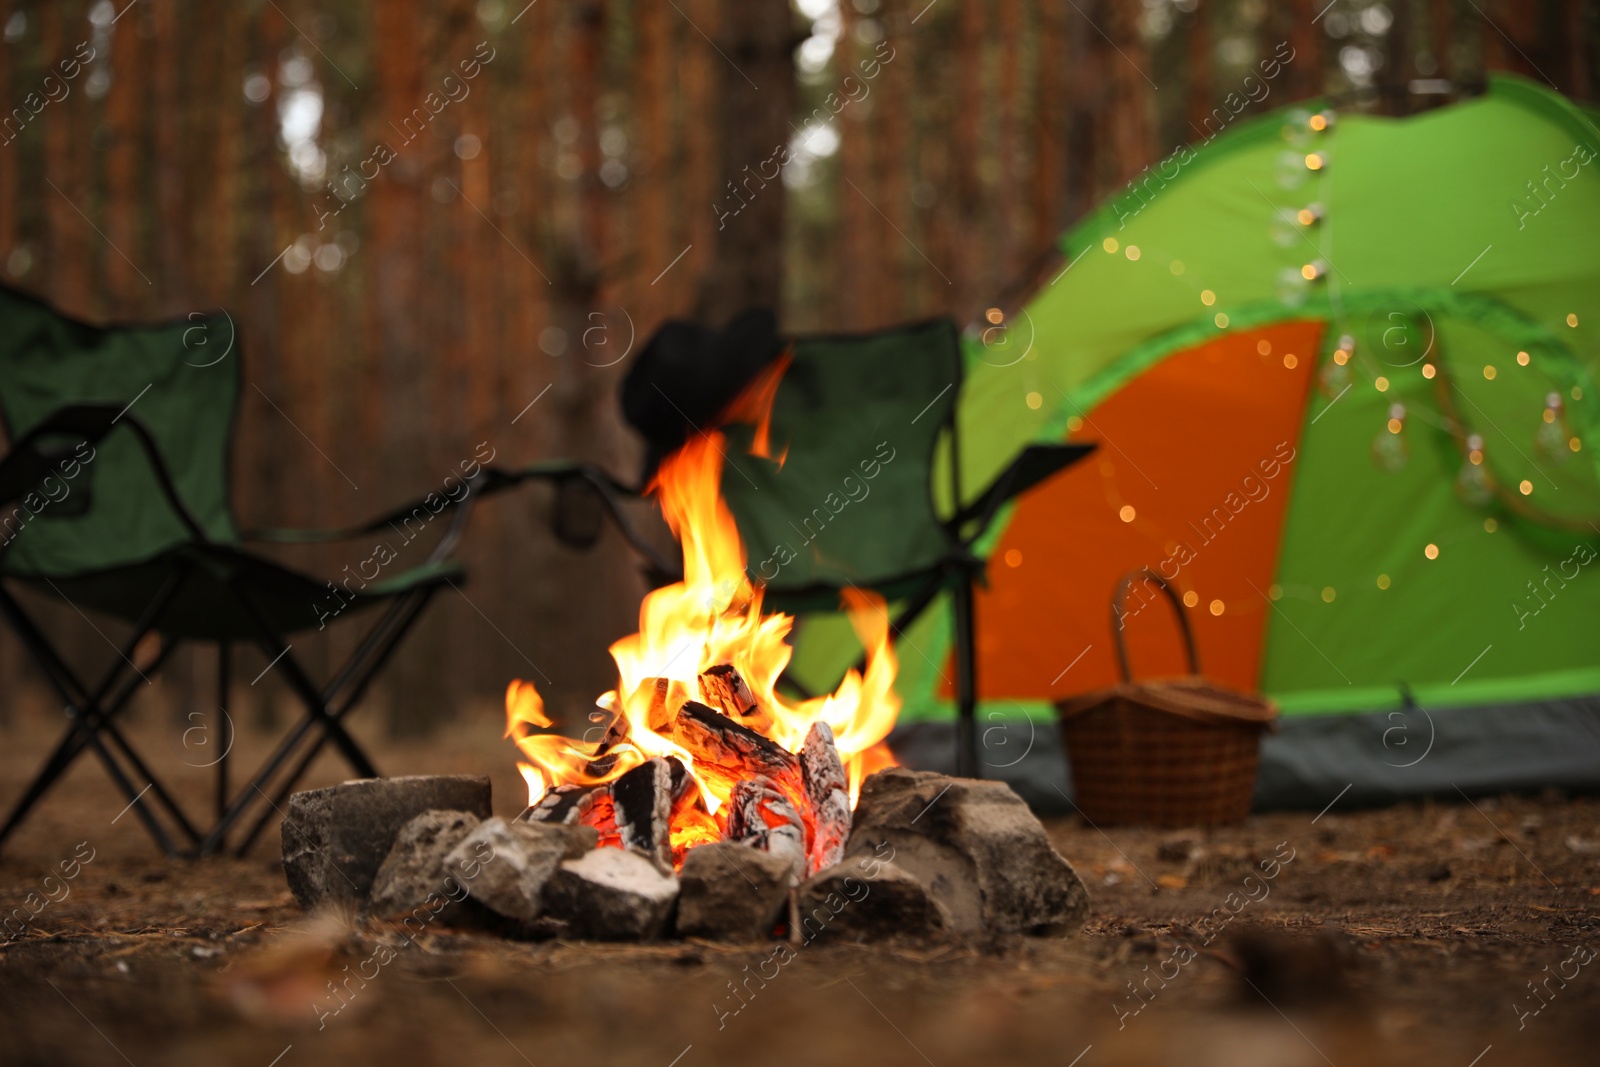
710, 622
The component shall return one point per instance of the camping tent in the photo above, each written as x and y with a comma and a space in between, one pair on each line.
1341, 368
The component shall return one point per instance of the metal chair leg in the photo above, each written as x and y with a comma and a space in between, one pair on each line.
966, 681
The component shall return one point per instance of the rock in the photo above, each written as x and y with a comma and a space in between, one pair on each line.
506, 865
847, 903
335, 839
611, 895
731, 892
414, 870
975, 846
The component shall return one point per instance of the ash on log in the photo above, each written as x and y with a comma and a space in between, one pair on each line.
727, 753
759, 815
643, 810
823, 773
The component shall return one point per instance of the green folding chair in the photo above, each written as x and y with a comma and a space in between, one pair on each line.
115, 498
847, 405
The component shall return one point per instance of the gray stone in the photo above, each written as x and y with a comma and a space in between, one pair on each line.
414, 870
611, 895
976, 846
335, 839
731, 892
849, 903
505, 865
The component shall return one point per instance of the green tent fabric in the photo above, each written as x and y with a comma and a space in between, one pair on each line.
1453, 241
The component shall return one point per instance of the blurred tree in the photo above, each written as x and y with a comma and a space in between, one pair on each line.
754, 106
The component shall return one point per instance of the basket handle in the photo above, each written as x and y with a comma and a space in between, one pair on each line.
1121, 596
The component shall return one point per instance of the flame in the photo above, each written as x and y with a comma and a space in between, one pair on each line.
753, 405
713, 617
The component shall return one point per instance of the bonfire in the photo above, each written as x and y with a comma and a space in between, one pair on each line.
698, 743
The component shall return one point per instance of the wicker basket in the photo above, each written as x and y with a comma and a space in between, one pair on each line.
1171, 752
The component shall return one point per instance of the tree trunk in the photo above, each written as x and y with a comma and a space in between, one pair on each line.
753, 103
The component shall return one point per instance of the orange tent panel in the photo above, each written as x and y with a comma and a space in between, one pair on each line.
1192, 479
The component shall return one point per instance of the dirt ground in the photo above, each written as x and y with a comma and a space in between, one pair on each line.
1430, 933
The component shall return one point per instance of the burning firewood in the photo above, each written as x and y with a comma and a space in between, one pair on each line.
727, 753
759, 815
565, 804
823, 773
685, 793
666, 697
726, 690
602, 815
643, 810
605, 756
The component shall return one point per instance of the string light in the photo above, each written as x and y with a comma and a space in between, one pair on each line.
1389, 448
1191, 598
1472, 480
1132, 252
995, 316
1127, 514
1335, 376
1432, 551
1315, 161
1383, 581
1522, 358
1428, 370
1109, 244
1207, 297
1554, 437
1328, 594
1218, 607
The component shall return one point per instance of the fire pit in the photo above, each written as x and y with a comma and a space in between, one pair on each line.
712, 805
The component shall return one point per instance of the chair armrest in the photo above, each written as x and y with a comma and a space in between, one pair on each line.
487, 482
27, 464
1033, 465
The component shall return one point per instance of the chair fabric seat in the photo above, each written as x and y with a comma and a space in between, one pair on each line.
206, 608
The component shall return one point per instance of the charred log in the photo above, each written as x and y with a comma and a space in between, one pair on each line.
602, 815
761, 816
727, 753
666, 697
726, 690
823, 773
565, 805
643, 810
605, 754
